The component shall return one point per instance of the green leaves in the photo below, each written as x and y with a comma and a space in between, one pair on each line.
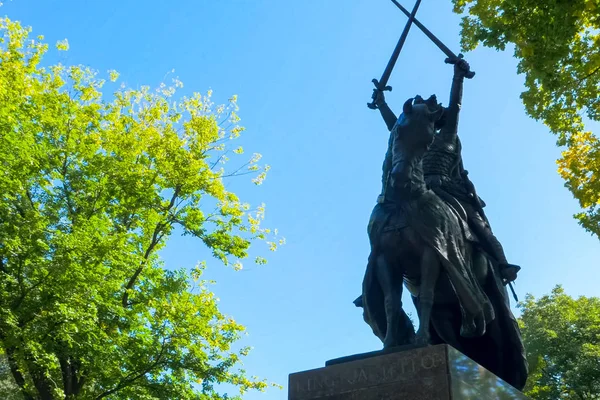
91, 191
62, 45
562, 338
556, 43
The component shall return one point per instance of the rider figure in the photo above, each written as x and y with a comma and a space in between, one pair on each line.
443, 167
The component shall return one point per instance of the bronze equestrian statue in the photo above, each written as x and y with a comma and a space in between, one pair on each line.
429, 231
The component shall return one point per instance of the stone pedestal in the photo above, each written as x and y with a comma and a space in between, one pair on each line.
426, 373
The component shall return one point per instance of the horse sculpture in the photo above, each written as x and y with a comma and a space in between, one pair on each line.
424, 241
414, 235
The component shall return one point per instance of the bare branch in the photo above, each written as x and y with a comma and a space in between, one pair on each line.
212, 167
239, 174
235, 173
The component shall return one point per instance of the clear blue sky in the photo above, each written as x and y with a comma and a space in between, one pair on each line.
302, 70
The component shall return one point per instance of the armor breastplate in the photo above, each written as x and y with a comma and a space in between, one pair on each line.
441, 158
439, 167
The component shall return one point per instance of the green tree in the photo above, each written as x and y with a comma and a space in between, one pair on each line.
91, 189
556, 43
8, 389
562, 338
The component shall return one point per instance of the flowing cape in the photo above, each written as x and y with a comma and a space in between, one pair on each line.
440, 227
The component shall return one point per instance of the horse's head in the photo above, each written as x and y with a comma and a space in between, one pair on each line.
433, 106
431, 102
419, 117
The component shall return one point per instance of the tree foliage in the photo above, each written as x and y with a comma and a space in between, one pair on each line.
562, 338
556, 43
8, 389
91, 189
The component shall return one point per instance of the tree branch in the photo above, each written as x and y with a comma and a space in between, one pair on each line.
129, 379
69, 368
31, 202
26, 291
239, 174
128, 220
93, 207
157, 236
67, 375
589, 75
41, 382
70, 209
64, 170
17, 375
20, 277
155, 240
214, 164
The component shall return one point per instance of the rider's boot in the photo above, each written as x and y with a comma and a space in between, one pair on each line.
508, 271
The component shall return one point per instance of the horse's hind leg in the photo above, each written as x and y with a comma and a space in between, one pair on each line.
430, 271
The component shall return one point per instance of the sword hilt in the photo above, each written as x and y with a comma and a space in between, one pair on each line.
378, 87
451, 60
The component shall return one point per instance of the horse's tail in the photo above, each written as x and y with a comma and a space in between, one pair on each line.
371, 299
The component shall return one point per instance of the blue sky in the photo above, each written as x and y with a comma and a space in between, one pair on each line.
302, 70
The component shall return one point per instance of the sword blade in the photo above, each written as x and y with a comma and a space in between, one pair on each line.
388, 69
512, 289
382, 83
426, 31
449, 53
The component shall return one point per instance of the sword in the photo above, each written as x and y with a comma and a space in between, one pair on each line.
512, 289
380, 85
495, 266
451, 56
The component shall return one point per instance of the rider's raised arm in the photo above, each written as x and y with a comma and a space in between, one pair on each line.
450, 128
386, 112
388, 116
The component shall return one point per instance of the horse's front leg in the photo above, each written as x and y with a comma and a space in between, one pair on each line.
430, 271
392, 293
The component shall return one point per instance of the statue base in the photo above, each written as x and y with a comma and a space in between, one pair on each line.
408, 373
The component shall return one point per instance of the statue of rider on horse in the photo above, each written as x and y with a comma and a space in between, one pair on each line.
428, 232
